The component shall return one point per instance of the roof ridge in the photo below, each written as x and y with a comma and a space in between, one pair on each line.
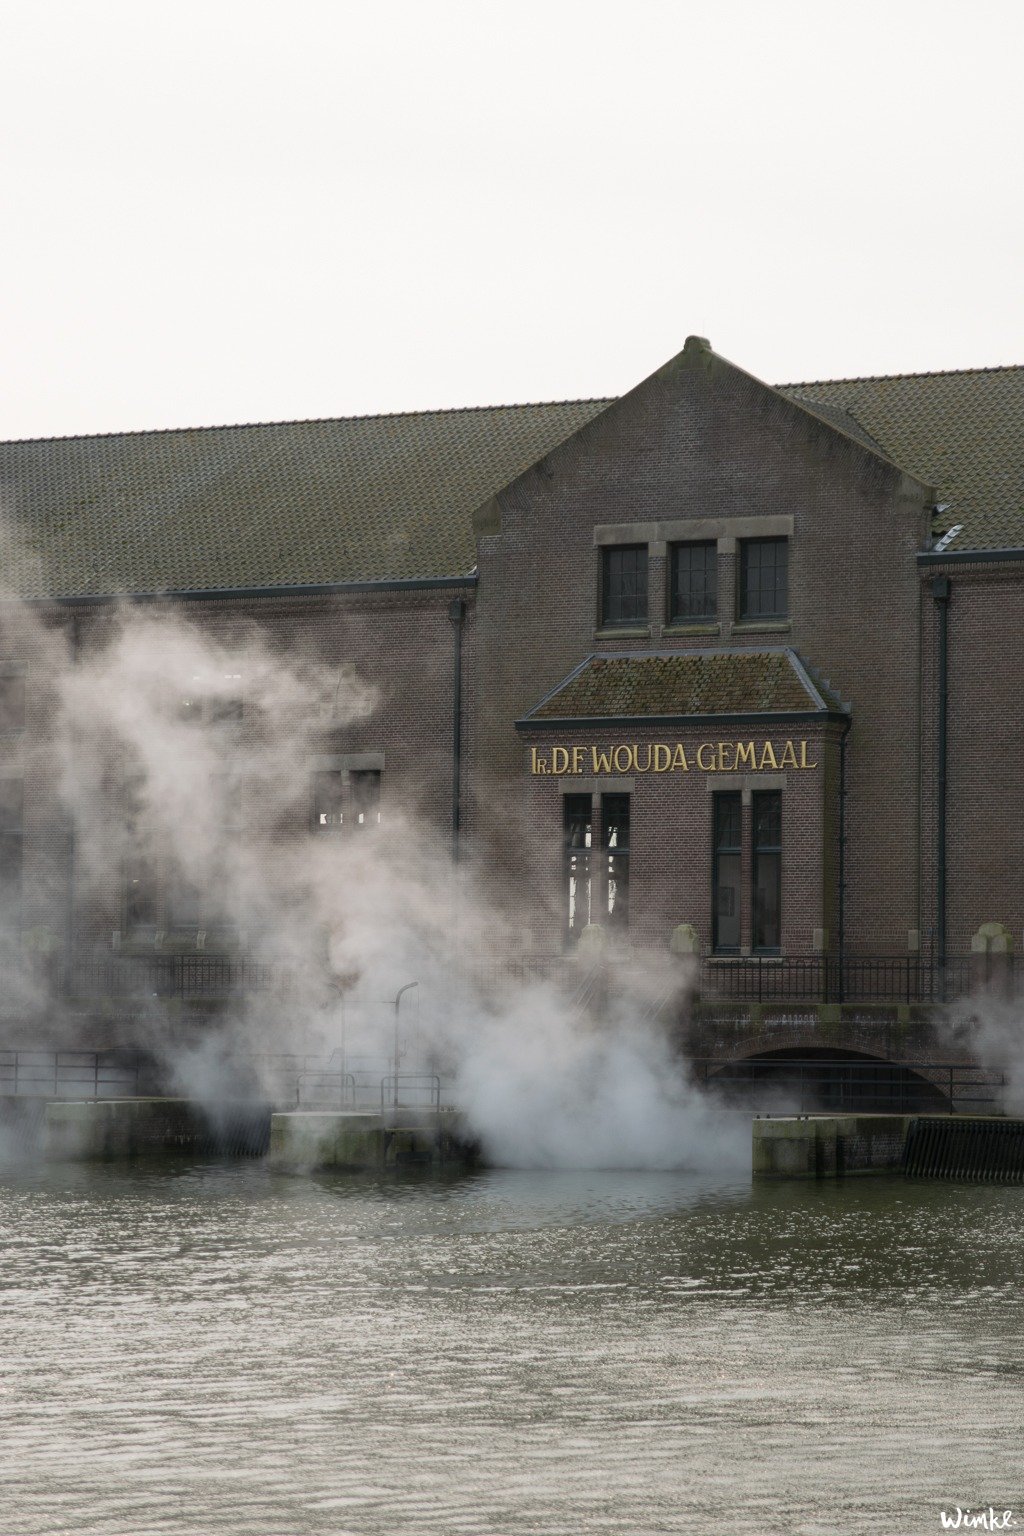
303, 421
876, 378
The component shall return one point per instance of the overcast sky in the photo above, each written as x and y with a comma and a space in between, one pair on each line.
221, 211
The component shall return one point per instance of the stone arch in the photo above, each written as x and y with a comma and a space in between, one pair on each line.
829, 1079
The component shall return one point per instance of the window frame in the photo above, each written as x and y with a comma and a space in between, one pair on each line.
758, 852
583, 870
639, 619
744, 613
616, 860
730, 850
676, 615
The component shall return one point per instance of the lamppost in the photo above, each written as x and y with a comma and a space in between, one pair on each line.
398, 1054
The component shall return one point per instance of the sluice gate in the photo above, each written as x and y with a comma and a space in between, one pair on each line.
982, 1151
977, 1149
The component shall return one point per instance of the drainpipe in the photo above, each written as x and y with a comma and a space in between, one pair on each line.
456, 616
941, 594
69, 916
841, 906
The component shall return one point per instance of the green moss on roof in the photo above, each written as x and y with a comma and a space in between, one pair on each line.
293, 503
692, 683
378, 498
961, 432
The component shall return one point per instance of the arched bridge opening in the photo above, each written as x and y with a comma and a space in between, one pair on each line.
836, 1081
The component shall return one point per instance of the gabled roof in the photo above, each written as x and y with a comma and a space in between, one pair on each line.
365, 498
386, 498
653, 685
961, 432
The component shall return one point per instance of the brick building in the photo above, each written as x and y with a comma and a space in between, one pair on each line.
716, 653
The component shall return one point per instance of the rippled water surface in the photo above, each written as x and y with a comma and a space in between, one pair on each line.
207, 1349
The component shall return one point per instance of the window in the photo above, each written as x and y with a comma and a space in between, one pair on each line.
140, 893
576, 814
615, 833
693, 587
346, 798
728, 825
213, 698
624, 584
764, 570
12, 700
364, 784
12, 796
195, 905
767, 820
327, 800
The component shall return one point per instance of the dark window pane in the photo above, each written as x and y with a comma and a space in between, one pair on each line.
576, 812
364, 786
12, 798
140, 894
694, 589
615, 831
624, 584
767, 817
328, 799
12, 702
728, 822
728, 825
764, 585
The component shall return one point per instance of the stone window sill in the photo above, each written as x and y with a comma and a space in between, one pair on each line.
691, 629
624, 632
762, 627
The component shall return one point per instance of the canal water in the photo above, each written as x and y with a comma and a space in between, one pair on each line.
225, 1349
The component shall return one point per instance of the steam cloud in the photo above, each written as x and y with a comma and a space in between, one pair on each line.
222, 807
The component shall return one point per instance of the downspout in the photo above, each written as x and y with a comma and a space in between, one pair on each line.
941, 594
456, 616
69, 916
841, 905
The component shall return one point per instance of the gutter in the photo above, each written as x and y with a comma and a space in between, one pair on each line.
968, 556
214, 594
762, 717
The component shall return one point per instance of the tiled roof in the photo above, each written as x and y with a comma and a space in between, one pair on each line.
641, 684
377, 498
293, 503
962, 433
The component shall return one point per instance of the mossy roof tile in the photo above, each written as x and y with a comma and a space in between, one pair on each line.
371, 498
961, 432
383, 498
642, 685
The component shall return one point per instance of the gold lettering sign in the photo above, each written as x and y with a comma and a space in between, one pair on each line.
663, 757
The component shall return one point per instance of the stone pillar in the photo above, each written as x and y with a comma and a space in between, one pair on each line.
992, 960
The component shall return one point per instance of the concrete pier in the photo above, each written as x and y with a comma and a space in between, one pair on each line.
108, 1128
304, 1139
828, 1146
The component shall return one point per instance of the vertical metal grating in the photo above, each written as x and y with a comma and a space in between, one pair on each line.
981, 1151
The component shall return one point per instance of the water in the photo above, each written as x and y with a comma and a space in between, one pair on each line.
224, 1349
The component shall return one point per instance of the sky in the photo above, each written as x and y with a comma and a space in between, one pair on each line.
225, 212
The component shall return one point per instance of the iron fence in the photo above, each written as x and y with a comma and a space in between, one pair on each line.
69, 1074
195, 977
182, 976
827, 979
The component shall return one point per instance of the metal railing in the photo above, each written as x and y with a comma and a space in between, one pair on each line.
182, 976
410, 1090
195, 977
826, 979
326, 1087
69, 1074
855, 1086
